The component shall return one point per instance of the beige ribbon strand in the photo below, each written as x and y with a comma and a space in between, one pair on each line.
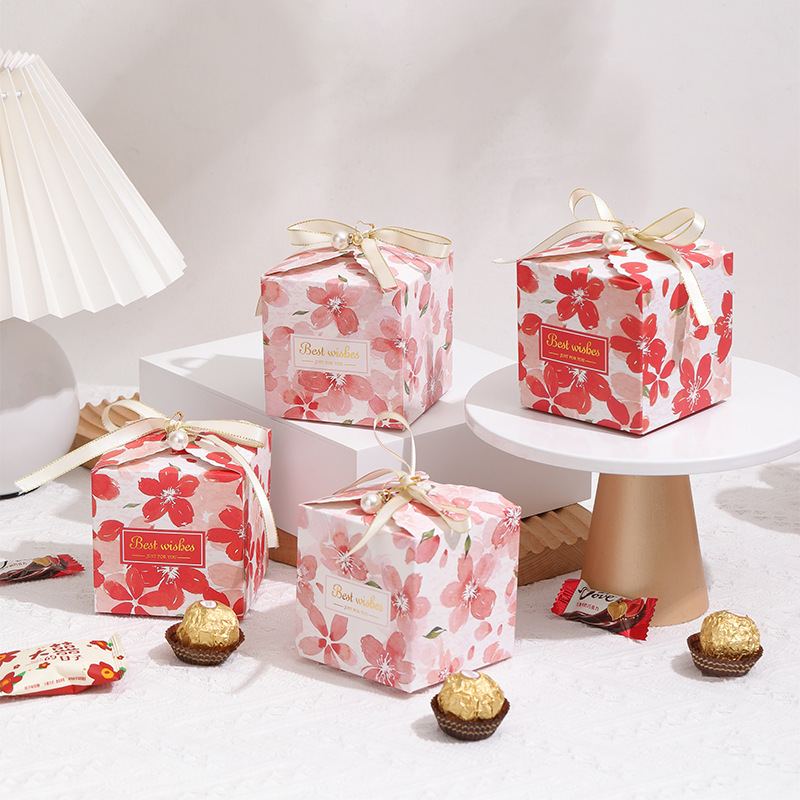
676, 229
205, 433
408, 486
315, 234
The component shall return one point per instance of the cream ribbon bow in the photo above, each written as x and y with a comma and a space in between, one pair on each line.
407, 487
676, 229
316, 234
205, 433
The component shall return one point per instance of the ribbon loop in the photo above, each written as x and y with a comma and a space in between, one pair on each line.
676, 229
316, 234
407, 487
208, 434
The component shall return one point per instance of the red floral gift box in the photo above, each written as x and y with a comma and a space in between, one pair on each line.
357, 323
404, 582
180, 512
624, 328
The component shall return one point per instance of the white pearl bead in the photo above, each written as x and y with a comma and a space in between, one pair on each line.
371, 503
178, 439
613, 240
340, 240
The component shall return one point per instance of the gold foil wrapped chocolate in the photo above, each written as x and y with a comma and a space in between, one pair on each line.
208, 623
471, 695
726, 635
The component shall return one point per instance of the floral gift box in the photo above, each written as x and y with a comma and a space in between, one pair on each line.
422, 595
623, 330
359, 324
180, 512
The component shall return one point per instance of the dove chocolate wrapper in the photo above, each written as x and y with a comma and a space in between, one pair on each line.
627, 616
33, 569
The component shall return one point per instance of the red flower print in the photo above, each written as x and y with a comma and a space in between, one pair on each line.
7, 682
102, 673
526, 278
387, 664
104, 487
469, 594
723, 327
727, 263
233, 535
693, 395
530, 324
689, 253
169, 493
227, 472
98, 576
337, 558
8, 656
579, 290
329, 643
584, 385
405, 605
335, 303
556, 377
306, 572
622, 418
109, 530
447, 666
634, 279
640, 342
656, 382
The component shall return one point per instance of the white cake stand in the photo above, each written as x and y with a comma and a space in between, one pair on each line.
643, 537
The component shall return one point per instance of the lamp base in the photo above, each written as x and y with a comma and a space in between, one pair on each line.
38, 402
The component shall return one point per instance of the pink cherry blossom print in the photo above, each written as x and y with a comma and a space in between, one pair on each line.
337, 558
335, 305
579, 292
406, 605
395, 343
335, 391
330, 641
232, 535
387, 663
446, 665
306, 572
723, 326
508, 521
694, 393
469, 595
300, 406
640, 342
169, 493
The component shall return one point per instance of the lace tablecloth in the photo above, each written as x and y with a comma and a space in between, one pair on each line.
592, 714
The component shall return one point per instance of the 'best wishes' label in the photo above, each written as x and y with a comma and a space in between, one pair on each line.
168, 548
357, 600
330, 355
573, 348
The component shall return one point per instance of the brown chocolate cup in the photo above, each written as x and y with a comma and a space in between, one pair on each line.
717, 666
467, 729
198, 655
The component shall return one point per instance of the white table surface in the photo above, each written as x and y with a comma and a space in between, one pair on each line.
759, 423
593, 715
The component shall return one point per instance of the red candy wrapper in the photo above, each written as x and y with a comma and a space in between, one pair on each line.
626, 616
33, 569
61, 668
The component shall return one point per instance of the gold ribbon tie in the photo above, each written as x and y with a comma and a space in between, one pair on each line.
316, 234
204, 433
407, 486
676, 229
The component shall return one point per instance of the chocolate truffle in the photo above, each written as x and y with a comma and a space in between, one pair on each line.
726, 635
469, 706
208, 623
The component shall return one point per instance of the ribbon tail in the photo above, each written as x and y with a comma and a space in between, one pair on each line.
381, 518
213, 442
378, 263
109, 441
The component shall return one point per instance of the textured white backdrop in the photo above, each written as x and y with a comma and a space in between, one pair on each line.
466, 118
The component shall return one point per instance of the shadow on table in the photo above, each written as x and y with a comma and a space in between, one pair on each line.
773, 507
71, 593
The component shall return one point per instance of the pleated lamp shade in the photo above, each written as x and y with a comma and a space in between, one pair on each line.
74, 232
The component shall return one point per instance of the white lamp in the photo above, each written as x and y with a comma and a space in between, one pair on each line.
74, 234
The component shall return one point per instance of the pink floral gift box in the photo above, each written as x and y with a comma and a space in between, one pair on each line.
611, 335
418, 601
354, 330
172, 527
